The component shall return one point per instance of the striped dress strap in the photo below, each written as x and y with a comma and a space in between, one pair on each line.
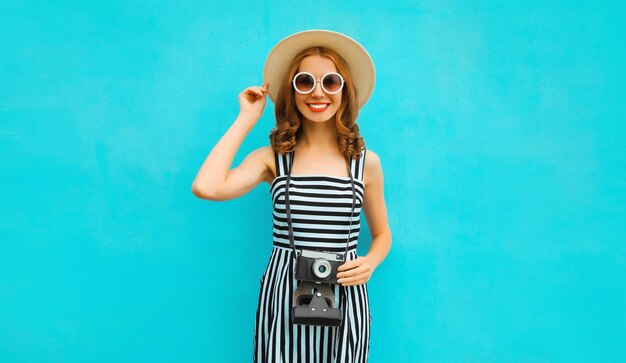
282, 163
356, 166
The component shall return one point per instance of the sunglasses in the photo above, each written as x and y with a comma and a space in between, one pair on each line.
305, 82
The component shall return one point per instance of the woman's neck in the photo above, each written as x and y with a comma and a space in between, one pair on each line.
318, 136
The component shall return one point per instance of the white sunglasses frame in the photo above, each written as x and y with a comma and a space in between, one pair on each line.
316, 81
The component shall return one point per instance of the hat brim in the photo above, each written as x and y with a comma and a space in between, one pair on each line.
361, 65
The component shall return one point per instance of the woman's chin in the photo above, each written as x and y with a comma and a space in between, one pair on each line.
317, 119
318, 116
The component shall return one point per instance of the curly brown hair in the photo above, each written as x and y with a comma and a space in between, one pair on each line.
288, 129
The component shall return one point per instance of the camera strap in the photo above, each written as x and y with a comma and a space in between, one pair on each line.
291, 241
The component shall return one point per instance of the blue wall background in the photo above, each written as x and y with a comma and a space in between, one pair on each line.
500, 126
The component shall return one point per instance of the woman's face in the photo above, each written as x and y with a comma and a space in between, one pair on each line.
318, 66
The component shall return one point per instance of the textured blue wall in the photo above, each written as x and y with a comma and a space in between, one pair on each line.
501, 130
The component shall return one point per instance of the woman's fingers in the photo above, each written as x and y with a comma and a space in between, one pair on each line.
355, 280
359, 276
255, 92
264, 88
355, 271
353, 277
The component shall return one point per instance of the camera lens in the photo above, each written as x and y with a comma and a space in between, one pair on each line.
321, 268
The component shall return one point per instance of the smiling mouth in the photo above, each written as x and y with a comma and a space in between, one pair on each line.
318, 107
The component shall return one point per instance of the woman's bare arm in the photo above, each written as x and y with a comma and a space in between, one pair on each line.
376, 210
215, 180
359, 270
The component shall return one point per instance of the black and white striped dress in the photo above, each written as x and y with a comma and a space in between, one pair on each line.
320, 208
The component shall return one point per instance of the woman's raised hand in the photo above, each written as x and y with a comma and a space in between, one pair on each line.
252, 100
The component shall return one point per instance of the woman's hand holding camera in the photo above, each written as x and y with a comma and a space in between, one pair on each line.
252, 100
355, 272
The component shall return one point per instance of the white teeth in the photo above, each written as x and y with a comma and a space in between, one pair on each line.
319, 106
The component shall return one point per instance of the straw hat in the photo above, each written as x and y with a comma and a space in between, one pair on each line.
359, 61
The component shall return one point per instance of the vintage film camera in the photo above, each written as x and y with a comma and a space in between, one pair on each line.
314, 300
318, 266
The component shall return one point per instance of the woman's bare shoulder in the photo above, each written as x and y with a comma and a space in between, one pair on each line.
372, 168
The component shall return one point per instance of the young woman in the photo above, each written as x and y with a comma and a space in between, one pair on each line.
318, 80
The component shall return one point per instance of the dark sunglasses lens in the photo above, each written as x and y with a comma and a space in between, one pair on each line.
304, 82
332, 83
